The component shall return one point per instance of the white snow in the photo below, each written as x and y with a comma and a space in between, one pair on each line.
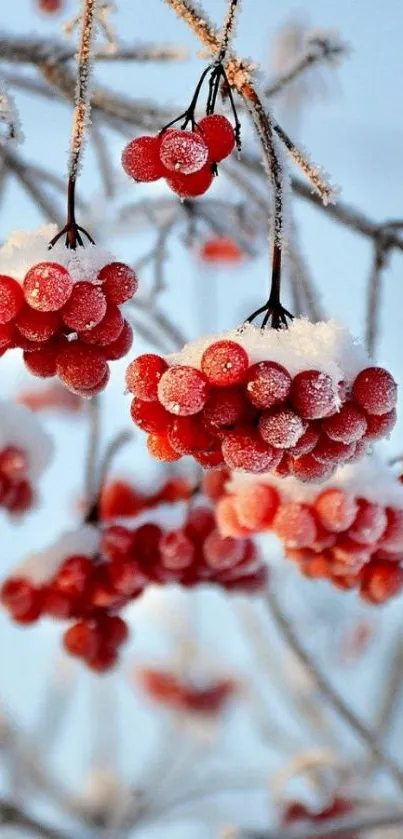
23, 249
39, 567
21, 428
325, 346
368, 478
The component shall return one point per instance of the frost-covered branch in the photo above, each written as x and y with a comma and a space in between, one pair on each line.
84, 66
33, 50
228, 28
329, 693
320, 46
9, 117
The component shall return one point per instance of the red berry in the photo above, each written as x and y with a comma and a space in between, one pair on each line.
141, 159
199, 523
347, 426
143, 376
119, 348
244, 449
146, 541
47, 286
255, 505
219, 136
113, 629
225, 408
213, 484
375, 390
188, 435
14, 462
267, 384
50, 6
313, 394
116, 542
22, 599
118, 499
211, 459
20, 497
37, 326
85, 308
73, 575
281, 427
190, 186
42, 362
6, 336
177, 551
150, 416
183, 151
369, 523
307, 468
222, 552
11, 299
222, 250
119, 282
380, 581
103, 661
380, 426
81, 367
306, 442
295, 525
227, 519
332, 451
159, 447
351, 553
225, 363
183, 390
81, 639
88, 392
56, 604
336, 509
126, 577
392, 538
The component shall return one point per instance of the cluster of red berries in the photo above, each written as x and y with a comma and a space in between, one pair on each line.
335, 534
186, 159
119, 499
256, 417
17, 494
299, 814
168, 689
91, 589
66, 328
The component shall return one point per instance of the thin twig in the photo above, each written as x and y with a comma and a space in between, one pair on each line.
336, 701
379, 261
228, 29
84, 65
34, 50
22, 171
92, 458
316, 52
13, 816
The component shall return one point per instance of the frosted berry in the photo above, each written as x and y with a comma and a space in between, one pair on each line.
177, 550
6, 336
141, 159
183, 151
190, 186
11, 299
210, 459
199, 523
150, 416
392, 538
222, 552
107, 330
159, 447
313, 394
307, 468
380, 581
219, 136
333, 451
42, 362
256, 506
183, 390
143, 376
37, 326
351, 553
119, 348
267, 384
116, 542
225, 408
369, 523
336, 509
119, 282
306, 442
81, 367
227, 519
73, 575
47, 286
188, 435
88, 392
85, 308
295, 525
375, 390
347, 426
225, 363
380, 426
244, 449
213, 484
281, 427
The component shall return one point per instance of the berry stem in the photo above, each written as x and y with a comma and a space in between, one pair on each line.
328, 692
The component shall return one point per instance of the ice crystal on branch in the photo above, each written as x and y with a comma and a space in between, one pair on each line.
11, 131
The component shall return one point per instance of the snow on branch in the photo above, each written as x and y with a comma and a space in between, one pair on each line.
83, 106
9, 117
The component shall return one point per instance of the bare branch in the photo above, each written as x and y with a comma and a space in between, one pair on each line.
317, 50
379, 262
228, 29
335, 700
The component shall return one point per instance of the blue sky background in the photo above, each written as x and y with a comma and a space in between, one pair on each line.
357, 135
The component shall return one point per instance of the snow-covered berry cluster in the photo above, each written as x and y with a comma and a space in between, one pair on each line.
185, 158
62, 308
350, 532
173, 691
25, 452
298, 401
90, 575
